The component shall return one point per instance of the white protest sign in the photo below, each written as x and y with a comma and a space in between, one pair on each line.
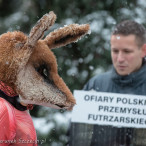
103, 108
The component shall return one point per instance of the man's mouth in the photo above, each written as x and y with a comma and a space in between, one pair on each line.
121, 67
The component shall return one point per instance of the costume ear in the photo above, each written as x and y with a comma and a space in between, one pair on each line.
41, 26
66, 35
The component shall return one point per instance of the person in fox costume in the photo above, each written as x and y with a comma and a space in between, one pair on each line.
28, 76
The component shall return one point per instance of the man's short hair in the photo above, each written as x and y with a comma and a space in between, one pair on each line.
129, 27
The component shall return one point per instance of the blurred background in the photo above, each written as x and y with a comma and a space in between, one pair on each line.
79, 61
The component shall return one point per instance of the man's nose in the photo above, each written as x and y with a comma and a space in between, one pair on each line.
120, 57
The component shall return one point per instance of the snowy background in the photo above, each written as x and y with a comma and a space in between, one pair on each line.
77, 62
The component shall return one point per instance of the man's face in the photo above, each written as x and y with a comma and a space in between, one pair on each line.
126, 54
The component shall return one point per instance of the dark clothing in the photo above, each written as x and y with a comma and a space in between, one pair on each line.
135, 83
13, 100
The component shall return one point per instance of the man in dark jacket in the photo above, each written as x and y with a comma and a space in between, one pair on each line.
127, 76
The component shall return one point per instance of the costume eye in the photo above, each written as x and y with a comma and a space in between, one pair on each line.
43, 70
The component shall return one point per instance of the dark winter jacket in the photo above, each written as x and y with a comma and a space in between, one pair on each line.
135, 83
97, 135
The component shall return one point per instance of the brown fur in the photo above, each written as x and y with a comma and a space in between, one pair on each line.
21, 56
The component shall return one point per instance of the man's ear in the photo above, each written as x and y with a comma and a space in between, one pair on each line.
66, 35
143, 51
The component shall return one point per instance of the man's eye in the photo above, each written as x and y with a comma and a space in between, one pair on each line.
115, 51
127, 51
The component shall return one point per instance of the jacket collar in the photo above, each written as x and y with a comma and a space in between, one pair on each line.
132, 79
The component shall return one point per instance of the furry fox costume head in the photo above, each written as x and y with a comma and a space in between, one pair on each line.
28, 65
